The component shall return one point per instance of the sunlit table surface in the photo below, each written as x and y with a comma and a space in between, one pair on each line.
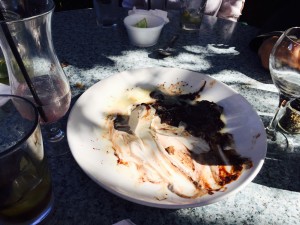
220, 49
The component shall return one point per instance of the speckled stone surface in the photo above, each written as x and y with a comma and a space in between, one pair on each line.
219, 49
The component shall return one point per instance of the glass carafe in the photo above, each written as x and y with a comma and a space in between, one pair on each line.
29, 24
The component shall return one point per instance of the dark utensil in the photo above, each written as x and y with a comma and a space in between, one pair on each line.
168, 50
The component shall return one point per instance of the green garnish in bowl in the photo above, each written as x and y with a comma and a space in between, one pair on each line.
142, 23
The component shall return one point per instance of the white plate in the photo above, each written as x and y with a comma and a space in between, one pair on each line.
95, 156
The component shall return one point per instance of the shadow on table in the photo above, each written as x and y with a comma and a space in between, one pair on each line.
221, 45
281, 169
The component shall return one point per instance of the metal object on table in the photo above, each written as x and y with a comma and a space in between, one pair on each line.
168, 49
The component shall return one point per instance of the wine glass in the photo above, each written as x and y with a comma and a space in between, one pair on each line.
284, 66
30, 31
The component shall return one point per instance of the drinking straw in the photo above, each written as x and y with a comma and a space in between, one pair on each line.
20, 63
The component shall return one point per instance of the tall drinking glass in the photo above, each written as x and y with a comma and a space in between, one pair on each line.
29, 23
106, 12
25, 181
191, 14
284, 66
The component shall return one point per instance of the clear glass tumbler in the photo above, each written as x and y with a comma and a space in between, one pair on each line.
191, 14
106, 12
25, 182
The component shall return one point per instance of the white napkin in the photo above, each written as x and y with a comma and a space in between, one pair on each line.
4, 89
156, 12
124, 222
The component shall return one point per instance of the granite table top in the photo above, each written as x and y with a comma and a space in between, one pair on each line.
220, 49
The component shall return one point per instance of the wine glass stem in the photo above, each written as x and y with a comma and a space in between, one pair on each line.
271, 128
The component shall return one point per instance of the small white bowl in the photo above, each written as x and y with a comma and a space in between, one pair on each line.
143, 37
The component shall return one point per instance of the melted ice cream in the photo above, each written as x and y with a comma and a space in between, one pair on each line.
169, 155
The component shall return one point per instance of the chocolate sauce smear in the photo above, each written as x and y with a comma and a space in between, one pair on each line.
207, 170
